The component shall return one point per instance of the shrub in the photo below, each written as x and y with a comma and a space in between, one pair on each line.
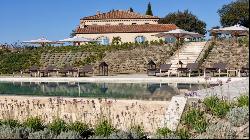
104, 128
69, 135
57, 126
163, 132
243, 100
183, 133
81, 128
169, 136
136, 132
202, 136
119, 135
217, 106
43, 134
238, 116
194, 118
7, 132
12, 123
220, 130
35, 124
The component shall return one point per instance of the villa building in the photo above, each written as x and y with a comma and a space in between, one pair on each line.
130, 26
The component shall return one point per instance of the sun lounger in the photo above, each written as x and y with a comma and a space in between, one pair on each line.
67, 69
217, 67
245, 69
164, 68
190, 68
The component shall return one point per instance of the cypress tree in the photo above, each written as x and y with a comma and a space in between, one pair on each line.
149, 10
131, 9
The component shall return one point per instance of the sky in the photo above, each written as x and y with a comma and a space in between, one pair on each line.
22, 20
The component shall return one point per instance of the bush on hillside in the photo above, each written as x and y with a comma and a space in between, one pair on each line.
57, 126
81, 128
194, 118
104, 128
43, 134
238, 116
35, 124
217, 106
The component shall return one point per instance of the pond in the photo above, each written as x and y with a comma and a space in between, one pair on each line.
142, 91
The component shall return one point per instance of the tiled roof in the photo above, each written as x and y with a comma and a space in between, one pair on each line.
145, 28
118, 14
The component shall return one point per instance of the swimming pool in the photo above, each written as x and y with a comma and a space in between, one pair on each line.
142, 91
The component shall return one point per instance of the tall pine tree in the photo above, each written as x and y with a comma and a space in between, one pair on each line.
149, 10
131, 9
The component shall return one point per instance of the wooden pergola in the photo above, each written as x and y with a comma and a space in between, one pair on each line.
151, 67
103, 69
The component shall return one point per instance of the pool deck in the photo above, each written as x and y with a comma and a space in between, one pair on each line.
128, 78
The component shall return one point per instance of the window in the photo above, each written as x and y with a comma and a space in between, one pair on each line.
140, 39
170, 40
146, 23
133, 23
103, 40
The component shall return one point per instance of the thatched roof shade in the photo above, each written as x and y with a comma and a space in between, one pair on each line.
34, 68
102, 64
87, 68
151, 62
51, 68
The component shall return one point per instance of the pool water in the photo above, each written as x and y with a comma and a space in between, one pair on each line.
142, 91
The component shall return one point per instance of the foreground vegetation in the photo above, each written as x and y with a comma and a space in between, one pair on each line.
212, 118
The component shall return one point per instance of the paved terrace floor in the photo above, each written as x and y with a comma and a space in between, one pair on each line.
123, 78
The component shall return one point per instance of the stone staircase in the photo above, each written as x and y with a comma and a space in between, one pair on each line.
187, 54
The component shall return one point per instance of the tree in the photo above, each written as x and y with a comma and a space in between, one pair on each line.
149, 10
131, 9
235, 13
73, 33
185, 20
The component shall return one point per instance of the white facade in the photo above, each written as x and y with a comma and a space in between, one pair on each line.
125, 37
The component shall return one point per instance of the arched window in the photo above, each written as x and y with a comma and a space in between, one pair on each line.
140, 39
103, 40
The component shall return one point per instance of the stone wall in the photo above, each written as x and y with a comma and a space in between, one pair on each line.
123, 113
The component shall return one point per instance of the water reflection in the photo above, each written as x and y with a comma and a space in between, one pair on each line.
144, 91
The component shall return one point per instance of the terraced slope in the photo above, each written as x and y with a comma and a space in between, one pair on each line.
61, 59
119, 61
233, 56
135, 61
